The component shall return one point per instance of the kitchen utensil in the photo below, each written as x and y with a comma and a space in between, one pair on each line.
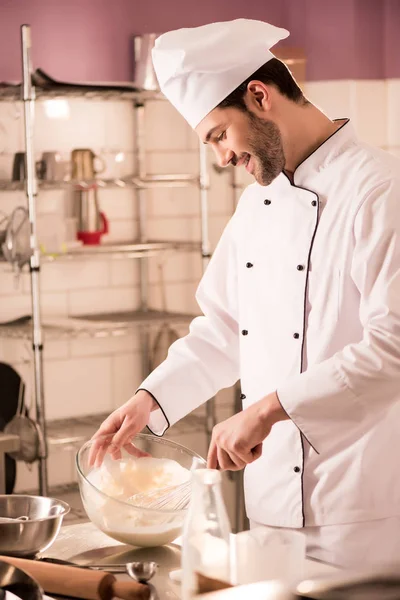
123, 520
27, 538
173, 497
80, 583
92, 222
16, 246
18, 582
83, 164
142, 571
144, 75
13, 520
19, 167
51, 162
26, 429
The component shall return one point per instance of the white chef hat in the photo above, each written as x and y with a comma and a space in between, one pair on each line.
198, 67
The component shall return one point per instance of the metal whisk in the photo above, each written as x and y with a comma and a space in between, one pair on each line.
172, 497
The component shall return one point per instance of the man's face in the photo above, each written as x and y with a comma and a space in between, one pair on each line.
242, 139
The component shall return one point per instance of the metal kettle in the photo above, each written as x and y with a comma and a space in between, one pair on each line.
92, 223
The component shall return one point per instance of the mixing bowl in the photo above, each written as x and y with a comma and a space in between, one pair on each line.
121, 520
27, 538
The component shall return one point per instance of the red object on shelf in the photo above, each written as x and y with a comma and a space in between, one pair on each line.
93, 238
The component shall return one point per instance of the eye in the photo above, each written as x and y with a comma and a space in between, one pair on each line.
221, 136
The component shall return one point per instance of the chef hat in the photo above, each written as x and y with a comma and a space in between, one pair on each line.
199, 67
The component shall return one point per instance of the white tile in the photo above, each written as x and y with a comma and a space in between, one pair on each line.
85, 127
10, 200
174, 202
124, 272
61, 467
172, 162
174, 229
54, 303
27, 478
117, 165
165, 128
174, 267
78, 387
180, 297
118, 203
217, 225
56, 349
371, 99
103, 300
334, 98
105, 346
9, 283
13, 306
52, 201
393, 112
64, 276
121, 231
222, 197
127, 376
119, 125
11, 127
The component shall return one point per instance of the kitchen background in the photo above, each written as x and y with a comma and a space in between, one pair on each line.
352, 69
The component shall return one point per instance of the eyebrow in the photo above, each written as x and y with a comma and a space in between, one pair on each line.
210, 133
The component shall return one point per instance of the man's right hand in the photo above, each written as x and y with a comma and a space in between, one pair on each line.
120, 427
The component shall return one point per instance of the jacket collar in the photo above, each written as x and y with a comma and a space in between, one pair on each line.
332, 147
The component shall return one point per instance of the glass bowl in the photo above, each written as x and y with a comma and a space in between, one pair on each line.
118, 518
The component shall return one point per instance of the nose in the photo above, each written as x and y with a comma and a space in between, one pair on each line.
224, 156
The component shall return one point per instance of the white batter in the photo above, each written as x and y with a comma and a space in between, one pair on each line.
124, 478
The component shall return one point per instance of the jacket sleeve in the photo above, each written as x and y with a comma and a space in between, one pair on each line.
207, 358
340, 390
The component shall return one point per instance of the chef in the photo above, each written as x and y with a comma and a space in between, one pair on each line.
301, 302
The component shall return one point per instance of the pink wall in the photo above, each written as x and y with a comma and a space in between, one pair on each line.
90, 40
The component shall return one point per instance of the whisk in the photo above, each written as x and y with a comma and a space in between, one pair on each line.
171, 497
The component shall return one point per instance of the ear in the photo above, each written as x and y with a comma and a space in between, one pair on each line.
258, 97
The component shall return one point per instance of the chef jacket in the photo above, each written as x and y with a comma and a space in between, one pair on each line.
302, 297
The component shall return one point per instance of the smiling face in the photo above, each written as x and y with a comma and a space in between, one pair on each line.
240, 137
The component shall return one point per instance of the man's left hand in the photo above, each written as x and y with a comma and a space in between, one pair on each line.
237, 441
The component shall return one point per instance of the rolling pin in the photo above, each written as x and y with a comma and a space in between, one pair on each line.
79, 583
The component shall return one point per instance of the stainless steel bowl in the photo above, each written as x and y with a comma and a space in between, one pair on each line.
19, 583
27, 538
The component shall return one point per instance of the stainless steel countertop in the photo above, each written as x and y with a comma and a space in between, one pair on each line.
85, 544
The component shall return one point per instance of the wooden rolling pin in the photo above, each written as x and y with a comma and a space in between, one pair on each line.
79, 583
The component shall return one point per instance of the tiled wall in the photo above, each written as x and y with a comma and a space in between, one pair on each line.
89, 376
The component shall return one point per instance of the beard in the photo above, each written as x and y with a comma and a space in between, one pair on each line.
266, 150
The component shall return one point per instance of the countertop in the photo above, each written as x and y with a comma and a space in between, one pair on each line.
85, 544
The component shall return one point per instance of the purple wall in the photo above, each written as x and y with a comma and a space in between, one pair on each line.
90, 40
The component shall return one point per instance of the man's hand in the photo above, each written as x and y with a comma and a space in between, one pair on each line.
120, 427
237, 441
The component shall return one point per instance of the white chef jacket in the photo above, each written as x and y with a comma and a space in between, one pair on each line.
302, 296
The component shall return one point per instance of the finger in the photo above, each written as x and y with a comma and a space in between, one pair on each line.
135, 451
101, 454
126, 431
238, 462
224, 460
257, 451
94, 450
212, 457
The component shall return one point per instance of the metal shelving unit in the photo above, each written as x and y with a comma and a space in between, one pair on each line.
39, 329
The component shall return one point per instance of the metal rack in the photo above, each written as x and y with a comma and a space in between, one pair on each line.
40, 330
